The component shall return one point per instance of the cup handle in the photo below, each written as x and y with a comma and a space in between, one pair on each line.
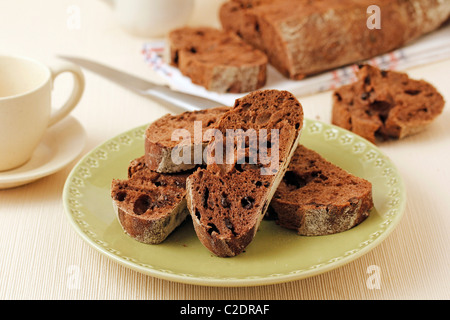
77, 91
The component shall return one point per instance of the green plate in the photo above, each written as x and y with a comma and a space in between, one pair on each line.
276, 255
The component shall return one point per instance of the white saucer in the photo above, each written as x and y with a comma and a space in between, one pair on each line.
61, 144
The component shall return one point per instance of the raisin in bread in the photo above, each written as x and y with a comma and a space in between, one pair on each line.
149, 205
304, 37
160, 142
228, 199
217, 60
317, 198
385, 104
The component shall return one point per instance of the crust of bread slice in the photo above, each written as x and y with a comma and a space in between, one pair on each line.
304, 37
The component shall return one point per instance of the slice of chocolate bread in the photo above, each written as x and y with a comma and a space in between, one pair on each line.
149, 205
161, 138
385, 104
228, 200
317, 198
218, 60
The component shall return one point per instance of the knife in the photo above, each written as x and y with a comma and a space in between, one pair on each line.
143, 87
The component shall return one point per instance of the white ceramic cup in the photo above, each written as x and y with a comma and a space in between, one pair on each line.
25, 105
151, 18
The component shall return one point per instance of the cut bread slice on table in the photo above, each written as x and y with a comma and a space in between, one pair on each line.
149, 205
318, 198
218, 60
162, 139
386, 105
228, 199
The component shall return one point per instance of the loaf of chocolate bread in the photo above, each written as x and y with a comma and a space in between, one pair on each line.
304, 37
218, 60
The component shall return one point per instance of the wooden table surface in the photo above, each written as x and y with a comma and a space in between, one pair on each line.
38, 246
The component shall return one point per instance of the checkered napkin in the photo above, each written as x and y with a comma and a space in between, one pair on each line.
430, 48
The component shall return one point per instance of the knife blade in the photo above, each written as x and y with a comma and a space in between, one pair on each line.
144, 87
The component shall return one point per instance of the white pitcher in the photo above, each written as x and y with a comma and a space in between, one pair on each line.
151, 18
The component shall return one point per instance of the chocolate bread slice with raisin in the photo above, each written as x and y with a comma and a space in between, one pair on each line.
228, 199
385, 104
161, 139
318, 198
218, 60
149, 205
